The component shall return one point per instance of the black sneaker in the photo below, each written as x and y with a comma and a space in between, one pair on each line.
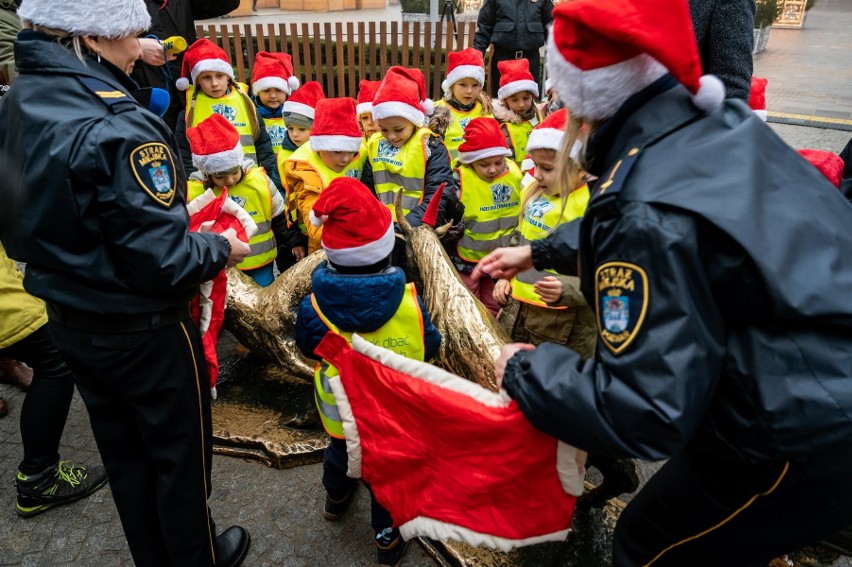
390, 547
336, 508
61, 484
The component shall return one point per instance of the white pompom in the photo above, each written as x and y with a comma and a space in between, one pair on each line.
182, 84
294, 83
428, 107
711, 93
213, 393
317, 221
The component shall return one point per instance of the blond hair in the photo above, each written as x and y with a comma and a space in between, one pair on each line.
66, 39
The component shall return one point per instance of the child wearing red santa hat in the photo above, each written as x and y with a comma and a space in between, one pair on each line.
272, 81
358, 238
364, 108
516, 107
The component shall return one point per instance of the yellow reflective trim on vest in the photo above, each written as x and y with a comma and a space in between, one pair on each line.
541, 216
490, 210
519, 134
233, 107
454, 136
277, 131
403, 334
395, 168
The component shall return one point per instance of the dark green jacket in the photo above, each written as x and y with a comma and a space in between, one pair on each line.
513, 25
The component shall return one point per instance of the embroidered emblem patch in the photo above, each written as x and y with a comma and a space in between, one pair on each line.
621, 291
276, 134
154, 168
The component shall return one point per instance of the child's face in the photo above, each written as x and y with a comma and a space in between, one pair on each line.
466, 90
520, 103
336, 160
489, 169
368, 125
396, 130
272, 97
212, 83
299, 135
227, 178
545, 170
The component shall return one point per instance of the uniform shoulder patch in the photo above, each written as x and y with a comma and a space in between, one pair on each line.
154, 168
621, 301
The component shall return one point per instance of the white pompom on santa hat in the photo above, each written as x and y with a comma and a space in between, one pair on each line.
336, 126
549, 133
215, 145
483, 139
304, 100
757, 97
202, 56
403, 94
273, 70
515, 77
601, 53
465, 64
357, 229
366, 93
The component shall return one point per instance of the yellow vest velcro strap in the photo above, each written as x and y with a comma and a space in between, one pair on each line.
409, 183
389, 198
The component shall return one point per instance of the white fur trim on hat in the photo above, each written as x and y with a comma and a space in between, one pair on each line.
220, 161
393, 109
516, 87
232, 208
213, 65
761, 114
599, 93
545, 139
474, 72
365, 254
298, 108
335, 143
470, 157
364, 107
527, 164
269, 83
99, 18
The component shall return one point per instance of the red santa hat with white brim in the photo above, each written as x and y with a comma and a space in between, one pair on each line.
483, 139
515, 77
357, 229
465, 64
366, 93
757, 97
403, 94
200, 57
601, 53
273, 70
215, 145
336, 126
98, 18
304, 100
549, 133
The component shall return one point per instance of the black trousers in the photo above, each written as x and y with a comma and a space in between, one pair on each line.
700, 510
45, 407
148, 399
532, 55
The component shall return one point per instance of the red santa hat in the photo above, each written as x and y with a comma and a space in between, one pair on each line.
366, 93
515, 77
98, 18
831, 165
304, 100
549, 133
757, 97
215, 145
483, 138
336, 126
403, 94
464, 64
203, 55
601, 53
273, 70
357, 229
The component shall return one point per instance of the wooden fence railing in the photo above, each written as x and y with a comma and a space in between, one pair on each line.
339, 55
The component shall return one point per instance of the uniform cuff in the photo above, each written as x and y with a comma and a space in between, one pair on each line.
515, 368
541, 254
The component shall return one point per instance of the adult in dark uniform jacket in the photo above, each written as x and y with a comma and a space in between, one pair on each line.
517, 29
724, 320
104, 232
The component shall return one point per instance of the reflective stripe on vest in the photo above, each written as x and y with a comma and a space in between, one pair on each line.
454, 136
233, 107
252, 194
403, 167
541, 216
490, 210
277, 131
519, 134
403, 334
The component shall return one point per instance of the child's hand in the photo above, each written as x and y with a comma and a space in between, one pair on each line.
549, 289
298, 252
501, 292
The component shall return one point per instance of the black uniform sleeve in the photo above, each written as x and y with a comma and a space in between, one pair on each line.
559, 250
547, 16
728, 46
206, 9
648, 399
183, 145
484, 26
148, 241
438, 171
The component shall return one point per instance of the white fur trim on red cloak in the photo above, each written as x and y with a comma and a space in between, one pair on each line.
365, 254
335, 143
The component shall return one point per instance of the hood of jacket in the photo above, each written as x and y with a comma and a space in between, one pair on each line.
358, 302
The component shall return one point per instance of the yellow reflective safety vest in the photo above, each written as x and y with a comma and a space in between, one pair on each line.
253, 194
277, 130
454, 136
233, 107
403, 334
399, 167
541, 216
490, 210
519, 135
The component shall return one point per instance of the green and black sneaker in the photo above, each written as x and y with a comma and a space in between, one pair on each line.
61, 484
